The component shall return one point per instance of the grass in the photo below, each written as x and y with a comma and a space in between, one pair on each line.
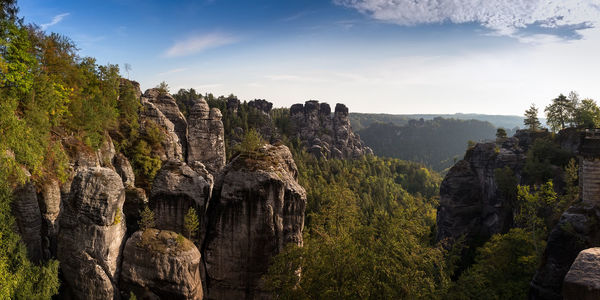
164, 241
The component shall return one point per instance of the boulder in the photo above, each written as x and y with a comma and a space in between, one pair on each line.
257, 208
168, 106
92, 227
177, 188
582, 282
162, 264
206, 137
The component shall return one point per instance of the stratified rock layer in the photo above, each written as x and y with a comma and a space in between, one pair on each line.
26, 210
257, 208
176, 188
92, 227
159, 262
168, 106
206, 142
151, 118
583, 279
326, 135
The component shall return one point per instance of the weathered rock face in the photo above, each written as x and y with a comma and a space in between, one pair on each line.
470, 202
168, 106
92, 228
49, 202
583, 279
154, 261
124, 169
150, 119
257, 208
135, 201
26, 210
206, 142
176, 188
262, 105
326, 135
577, 230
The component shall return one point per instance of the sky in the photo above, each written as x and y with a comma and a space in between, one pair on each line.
376, 56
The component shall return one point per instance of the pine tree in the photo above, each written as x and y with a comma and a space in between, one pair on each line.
191, 222
560, 112
146, 219
531, 119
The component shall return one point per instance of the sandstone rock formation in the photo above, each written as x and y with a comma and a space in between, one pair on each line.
206, 142
470, 202
324, 134
176, 188
159, 262
26, 210
92, 228
168, 106
152, 118
582, 282
261, 105
257, 208
135, 202
49, 202
124, 169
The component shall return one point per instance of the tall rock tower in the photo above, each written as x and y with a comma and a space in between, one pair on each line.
589, 167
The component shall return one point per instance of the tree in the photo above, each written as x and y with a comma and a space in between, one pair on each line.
560, 112
587, 114
531, 120
191, 223
251, 143
163, 87
146, 219
501, 133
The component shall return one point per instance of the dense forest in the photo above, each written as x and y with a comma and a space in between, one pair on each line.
437, 143
370, 227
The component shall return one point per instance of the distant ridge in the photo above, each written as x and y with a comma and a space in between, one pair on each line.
363, 120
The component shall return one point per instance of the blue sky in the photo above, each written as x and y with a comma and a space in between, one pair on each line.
388, 56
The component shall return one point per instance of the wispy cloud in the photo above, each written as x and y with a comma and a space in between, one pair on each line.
297, 15
54, 21
199, 43
503, 17
172, 71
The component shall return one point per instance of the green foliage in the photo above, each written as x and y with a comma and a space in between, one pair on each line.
146, 219
368, 233
251, 143
587, 114
117, 219
191, 223
501, 133
20, 278
531, 120
185, 99
535, 209
132, 296
503, 268
506, 182
541, 156
433, 142
559, 113
163, 87
145, 164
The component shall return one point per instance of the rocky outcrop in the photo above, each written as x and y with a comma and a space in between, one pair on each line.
158, 263
26, 210
470, 202
135, 202
124, 169
168, 106
261, 105
177, 188
152, 120
583, 279
324, 134
49, 202
91, 234
206, 142
257, 208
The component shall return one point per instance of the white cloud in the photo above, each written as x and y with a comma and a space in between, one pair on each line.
54, 21
199, 43
171, 71
504, 17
